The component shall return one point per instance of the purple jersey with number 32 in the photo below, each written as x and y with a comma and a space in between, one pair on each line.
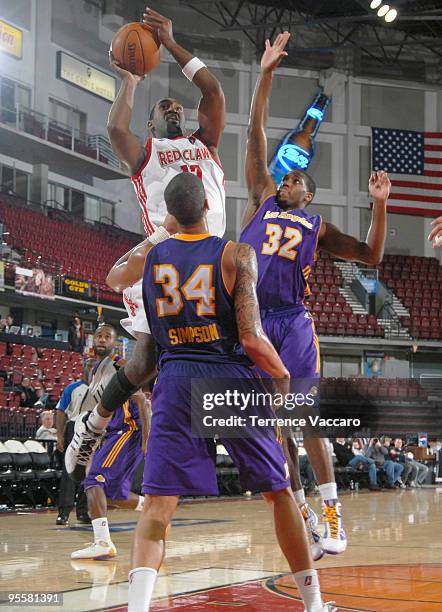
285, 243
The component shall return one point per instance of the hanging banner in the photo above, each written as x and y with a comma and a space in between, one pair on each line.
85, 76
11, 40
34, 282
74, 287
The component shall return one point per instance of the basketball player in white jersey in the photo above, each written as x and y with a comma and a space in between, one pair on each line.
168, 151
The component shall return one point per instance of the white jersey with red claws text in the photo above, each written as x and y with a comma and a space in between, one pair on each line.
165, 158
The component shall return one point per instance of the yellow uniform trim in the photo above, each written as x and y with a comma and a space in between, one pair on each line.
222, 268
190, 237
116, 449
318, 352
315, 255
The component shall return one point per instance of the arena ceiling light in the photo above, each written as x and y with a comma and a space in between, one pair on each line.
391, 15
383, 10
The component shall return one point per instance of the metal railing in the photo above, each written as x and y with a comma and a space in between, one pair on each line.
95, 146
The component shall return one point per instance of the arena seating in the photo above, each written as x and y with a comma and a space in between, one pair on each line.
52, 367
331, 312
380, 389
417, 282
64, 248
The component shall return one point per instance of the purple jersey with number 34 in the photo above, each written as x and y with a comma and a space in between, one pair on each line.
285, 244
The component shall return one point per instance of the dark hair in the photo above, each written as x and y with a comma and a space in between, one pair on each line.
310, 184
185, 198
111, 327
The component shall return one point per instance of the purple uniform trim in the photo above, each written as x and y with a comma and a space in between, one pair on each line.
114, 463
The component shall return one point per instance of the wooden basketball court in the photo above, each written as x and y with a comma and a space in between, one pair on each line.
222, 555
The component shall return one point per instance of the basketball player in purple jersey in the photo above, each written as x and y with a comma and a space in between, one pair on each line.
285, 238
114, 463
200, 297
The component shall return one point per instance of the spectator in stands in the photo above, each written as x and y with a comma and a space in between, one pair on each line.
379, 453
397, 454
346, 457
43, 396
74, 399
76, 336
419, 470
47, 430
7, 324
306, 471
27, 393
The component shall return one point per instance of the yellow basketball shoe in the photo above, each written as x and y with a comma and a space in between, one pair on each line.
334, 541
311, 524
98, 551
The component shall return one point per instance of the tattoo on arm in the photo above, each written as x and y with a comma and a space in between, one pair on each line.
246, 302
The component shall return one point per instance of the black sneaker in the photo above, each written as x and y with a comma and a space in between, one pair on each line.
62, 519
84, 519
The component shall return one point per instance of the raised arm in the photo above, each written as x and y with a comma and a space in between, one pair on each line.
130, 267
211, 109
372, 250
259, 181
125, 144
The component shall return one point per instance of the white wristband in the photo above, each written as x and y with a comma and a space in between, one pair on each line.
160, 235
192, 67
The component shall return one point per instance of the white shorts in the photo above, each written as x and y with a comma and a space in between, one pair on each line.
133, 302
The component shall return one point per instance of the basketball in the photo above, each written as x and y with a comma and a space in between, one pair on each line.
136, 48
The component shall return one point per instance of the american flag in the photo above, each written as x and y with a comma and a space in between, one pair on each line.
413, 161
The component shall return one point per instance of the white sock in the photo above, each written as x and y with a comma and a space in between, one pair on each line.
308, 586
299, 497
140, 504
96, 422
328, 491
141, 583
101, 530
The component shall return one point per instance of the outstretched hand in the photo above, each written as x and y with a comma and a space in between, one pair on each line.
436, 233
273, 54
379, 186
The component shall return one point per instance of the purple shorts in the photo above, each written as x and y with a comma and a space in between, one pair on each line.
114, 464
179, 463
292, 332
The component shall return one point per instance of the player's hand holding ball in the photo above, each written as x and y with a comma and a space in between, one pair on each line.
135, 51
121, 72
379, 186
160, 25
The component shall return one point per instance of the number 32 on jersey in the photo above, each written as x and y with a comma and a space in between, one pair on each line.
198, 287
275, 234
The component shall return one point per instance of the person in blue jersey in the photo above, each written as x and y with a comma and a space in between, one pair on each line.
286, 237
69, 406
